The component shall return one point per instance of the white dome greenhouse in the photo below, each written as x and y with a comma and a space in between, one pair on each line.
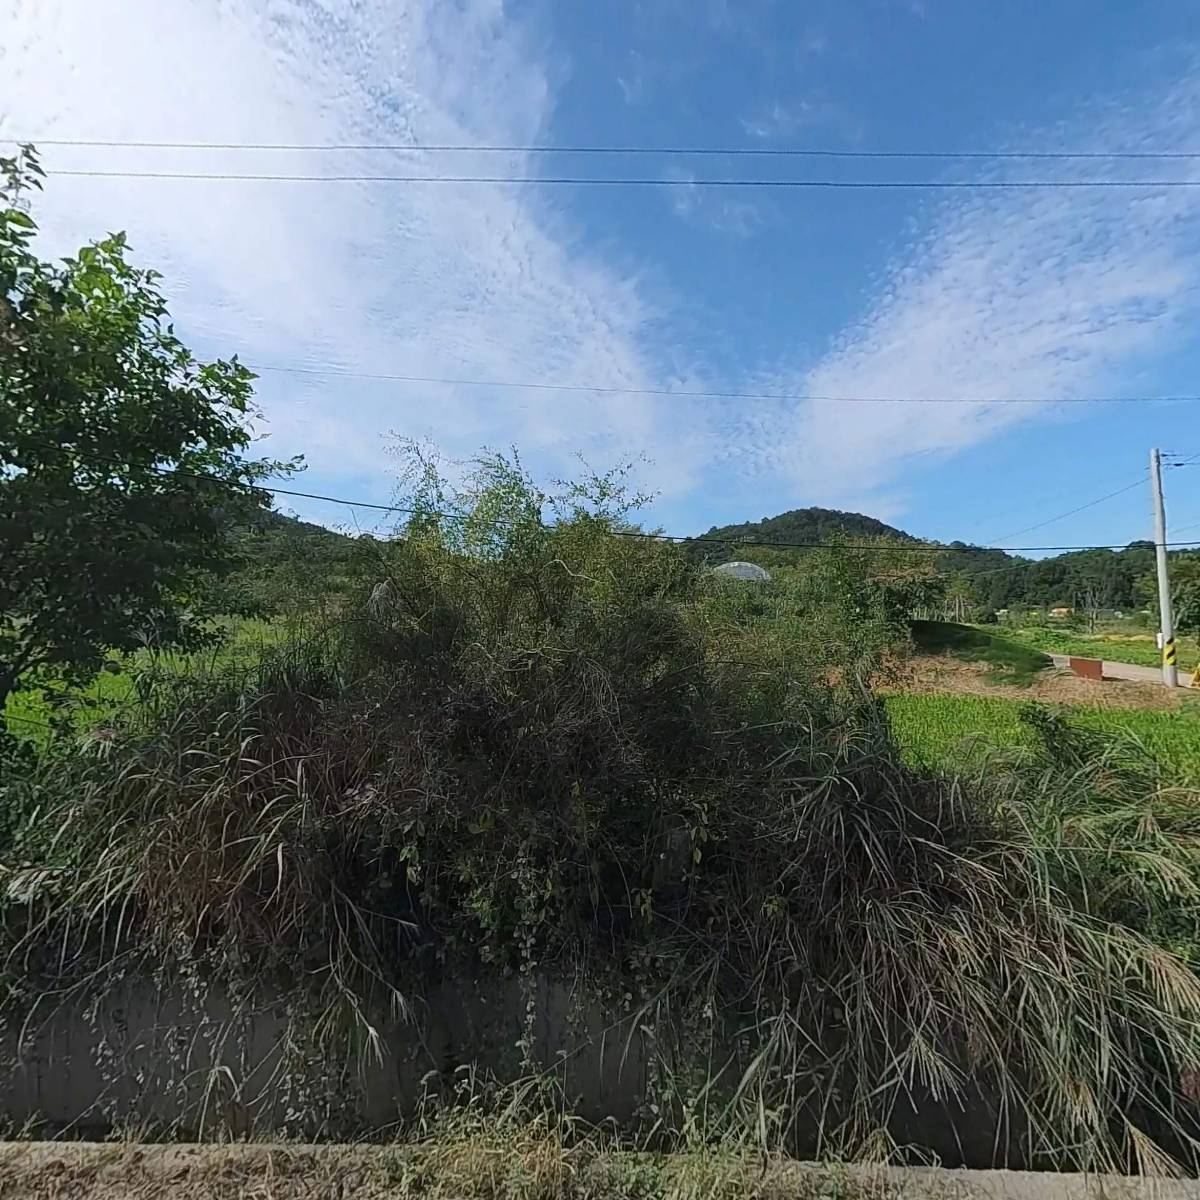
743, 570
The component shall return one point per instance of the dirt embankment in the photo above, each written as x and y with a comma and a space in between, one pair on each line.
499, 1171
938, 673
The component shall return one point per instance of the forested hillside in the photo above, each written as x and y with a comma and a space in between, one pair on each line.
284, 562
285, 557
1104, 579
801, 525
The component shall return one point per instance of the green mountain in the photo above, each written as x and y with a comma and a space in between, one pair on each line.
290, 562
272, 526
799, 525
287, 563
1101, 578
755, 540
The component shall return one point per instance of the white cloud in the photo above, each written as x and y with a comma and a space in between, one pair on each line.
782, 120
814, 41
469, 281
998, 293
714, 208
633, 82
1006, 293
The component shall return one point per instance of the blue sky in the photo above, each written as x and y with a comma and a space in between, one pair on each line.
897, 293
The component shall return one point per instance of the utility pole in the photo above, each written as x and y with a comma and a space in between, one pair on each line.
1166, 617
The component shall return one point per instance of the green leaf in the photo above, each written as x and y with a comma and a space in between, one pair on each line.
100, 547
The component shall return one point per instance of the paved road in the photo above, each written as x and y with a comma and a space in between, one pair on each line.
1120, 670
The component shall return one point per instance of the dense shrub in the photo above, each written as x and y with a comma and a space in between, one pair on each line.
547, 745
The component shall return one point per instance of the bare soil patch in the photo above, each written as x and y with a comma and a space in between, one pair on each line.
925, 674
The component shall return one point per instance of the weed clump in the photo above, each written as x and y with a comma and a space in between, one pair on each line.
542, 746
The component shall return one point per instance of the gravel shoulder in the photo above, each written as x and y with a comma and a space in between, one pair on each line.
498, 1171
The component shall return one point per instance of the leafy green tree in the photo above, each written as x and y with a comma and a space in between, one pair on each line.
960, 597
1185, 593
121, 457
842, 607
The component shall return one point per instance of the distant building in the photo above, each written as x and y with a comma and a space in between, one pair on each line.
743, 570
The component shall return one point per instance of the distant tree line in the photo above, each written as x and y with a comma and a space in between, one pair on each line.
975, 578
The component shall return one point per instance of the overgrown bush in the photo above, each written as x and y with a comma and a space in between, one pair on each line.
555, 746
1119, 833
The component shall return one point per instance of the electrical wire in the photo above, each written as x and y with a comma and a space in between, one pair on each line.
642, 181
700, 539
691, 393
1083, 507
664, 151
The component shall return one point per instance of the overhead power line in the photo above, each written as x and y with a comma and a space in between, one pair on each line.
635, 181
663, 151
702, 539
1141, 479
694, 393
1138, 482
684, 538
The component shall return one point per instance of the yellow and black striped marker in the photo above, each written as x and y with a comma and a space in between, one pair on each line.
1169, 656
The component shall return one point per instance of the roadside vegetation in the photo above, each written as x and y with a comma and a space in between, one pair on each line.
459, 1159
1008, 660
1138, 647
618, 727
51, 705
514, 739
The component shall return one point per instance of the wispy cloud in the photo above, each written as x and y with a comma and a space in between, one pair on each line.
814, 41
1007, 293
1044, 293
480, 282
785, 119
715, 209
632, 80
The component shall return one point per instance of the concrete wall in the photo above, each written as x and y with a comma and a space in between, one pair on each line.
199, 1064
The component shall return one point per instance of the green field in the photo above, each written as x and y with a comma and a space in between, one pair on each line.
947, 730
932, 730
28, 713
1136, 648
